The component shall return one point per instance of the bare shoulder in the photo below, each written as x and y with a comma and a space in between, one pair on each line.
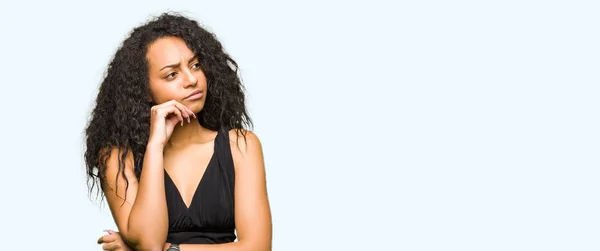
246, 149
113, 156
244, 141
113, 174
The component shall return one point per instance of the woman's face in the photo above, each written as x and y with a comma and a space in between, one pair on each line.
175, 74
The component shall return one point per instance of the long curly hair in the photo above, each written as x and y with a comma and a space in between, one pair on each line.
121, 115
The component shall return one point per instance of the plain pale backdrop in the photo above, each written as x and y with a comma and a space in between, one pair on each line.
399, 125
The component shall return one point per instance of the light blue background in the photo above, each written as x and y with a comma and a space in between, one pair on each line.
406, 125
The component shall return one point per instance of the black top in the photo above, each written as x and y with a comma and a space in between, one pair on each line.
210, 217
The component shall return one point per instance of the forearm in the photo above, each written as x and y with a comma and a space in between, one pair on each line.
150, 203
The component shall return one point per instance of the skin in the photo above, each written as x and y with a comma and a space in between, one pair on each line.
179, 144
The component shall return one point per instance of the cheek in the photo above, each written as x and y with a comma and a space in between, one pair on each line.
161, 93
202, 82
199, 74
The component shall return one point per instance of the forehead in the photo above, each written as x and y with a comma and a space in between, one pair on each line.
168, 50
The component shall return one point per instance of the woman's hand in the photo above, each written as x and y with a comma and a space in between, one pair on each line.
113, 241
163, 119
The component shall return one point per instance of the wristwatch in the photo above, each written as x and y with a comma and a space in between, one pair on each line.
173, 247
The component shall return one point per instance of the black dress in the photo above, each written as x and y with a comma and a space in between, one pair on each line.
210, 217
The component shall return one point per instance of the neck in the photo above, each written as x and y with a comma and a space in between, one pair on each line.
189, 133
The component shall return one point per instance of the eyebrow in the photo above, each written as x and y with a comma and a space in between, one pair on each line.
177, 64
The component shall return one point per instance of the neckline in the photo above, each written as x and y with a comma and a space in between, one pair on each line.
194, 195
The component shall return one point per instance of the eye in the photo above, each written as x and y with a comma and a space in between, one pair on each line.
196, 66
171, 75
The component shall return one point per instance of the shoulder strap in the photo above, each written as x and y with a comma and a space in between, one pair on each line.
225, 158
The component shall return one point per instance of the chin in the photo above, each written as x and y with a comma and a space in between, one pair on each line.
196, 107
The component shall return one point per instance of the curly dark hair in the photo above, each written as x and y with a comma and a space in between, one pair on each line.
121, 115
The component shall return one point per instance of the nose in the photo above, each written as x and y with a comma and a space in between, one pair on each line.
190, 80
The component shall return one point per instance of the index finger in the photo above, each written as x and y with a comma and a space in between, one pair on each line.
182, 108
106, 238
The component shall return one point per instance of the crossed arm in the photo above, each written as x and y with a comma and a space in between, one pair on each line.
146, 199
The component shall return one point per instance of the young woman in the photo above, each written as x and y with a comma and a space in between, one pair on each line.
168, 144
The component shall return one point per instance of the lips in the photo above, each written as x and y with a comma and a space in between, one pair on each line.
194, 95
